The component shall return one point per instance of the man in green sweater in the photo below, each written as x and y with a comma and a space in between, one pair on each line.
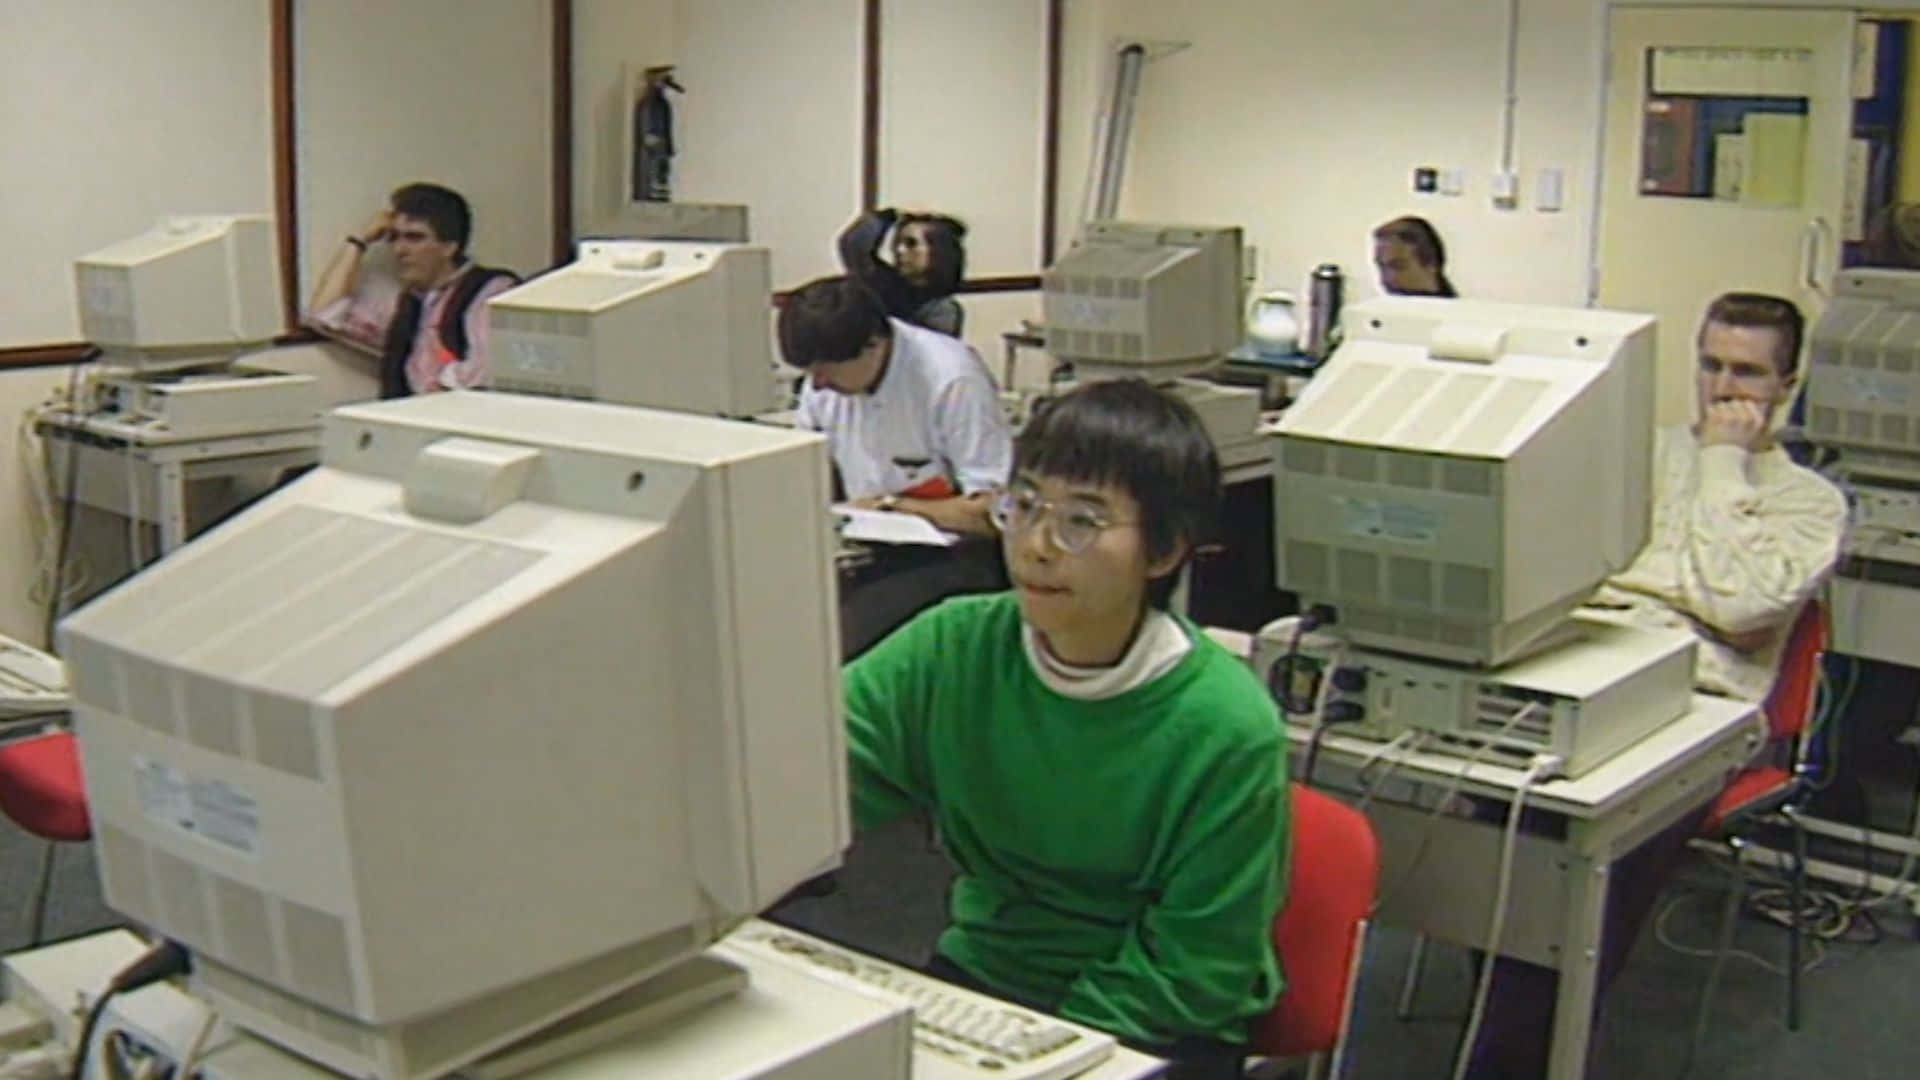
1110, 782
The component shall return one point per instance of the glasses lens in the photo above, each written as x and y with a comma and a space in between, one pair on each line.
1076, 527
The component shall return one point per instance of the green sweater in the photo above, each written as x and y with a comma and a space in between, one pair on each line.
1121, 861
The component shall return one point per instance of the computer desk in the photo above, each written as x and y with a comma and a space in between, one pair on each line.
147, 478
781, 1012
1559, 886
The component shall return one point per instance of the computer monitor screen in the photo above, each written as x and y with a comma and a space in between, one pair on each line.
661, 324
509, 704
188, 291
1151, 300
1460, 476
1863, 369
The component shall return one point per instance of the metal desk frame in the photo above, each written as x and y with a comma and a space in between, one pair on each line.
165, 467
1559, 885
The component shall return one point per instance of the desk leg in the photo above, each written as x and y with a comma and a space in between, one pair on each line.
1579, 967
171, 498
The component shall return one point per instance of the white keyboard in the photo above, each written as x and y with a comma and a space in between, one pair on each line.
30, 681
957, 1034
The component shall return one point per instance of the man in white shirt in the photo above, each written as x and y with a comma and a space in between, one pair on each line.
913, 422
912, 416
1742, 538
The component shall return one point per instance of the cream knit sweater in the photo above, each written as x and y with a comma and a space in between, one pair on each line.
1739, 542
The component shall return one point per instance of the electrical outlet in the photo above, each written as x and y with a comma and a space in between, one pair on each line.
1426, 179
1453, 182
1506, 189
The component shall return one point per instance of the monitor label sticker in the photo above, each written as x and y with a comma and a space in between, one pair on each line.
1377, 519
213, 809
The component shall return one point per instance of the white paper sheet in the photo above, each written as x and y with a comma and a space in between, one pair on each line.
890, 527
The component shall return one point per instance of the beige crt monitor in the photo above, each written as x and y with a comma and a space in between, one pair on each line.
1138, 299
1460, 476
511, 704
187, 292
661, 324
1863, 370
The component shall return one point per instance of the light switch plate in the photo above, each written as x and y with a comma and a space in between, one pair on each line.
1550, 193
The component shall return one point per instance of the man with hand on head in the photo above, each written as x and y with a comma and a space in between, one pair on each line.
432, 333
1742, 536
1741, 539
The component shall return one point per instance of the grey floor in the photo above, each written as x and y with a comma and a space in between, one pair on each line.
1860, 1002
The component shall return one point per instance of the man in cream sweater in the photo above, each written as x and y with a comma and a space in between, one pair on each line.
1742, 537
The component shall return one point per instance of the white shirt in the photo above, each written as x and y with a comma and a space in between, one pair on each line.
934, 414
1739, 542
1159, 646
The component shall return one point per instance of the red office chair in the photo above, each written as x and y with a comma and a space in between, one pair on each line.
41, 790
1773, 789
1320, 933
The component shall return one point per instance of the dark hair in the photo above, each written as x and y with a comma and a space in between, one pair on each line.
1419, 234
1127, 434
828, 321
443, 209
948, 267
1893, 237
1774, 313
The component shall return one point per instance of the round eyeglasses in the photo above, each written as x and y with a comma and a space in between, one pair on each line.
1072, 524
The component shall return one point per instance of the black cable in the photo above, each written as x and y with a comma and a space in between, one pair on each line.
1280, 675
92, 1024
59, 592
1284, 690
1313, 751
1313, 619
163, 961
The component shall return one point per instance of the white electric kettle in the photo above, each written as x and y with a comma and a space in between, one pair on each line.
1273, 327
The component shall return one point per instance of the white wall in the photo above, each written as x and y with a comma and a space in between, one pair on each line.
962, 121
1303, 122
113, 115
20, 617
452, 91
609, 37
772, 118
166, 108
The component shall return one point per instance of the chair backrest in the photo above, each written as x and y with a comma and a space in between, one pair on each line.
1789, 704
1335, 875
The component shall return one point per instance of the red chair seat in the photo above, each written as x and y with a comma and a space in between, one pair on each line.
1746, 789
41, 788
1336, 870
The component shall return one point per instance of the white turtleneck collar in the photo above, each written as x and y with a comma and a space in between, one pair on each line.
1157, 648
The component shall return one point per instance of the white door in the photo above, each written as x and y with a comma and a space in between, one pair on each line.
1709, 182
